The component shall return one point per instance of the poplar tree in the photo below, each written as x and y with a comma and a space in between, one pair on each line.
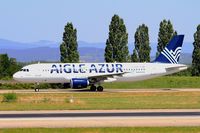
196, 53
117, 42
69, 46
134, 57
142, 45
166, 32
108, 52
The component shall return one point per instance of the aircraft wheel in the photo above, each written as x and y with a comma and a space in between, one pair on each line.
100, 88
37, 90
93, 88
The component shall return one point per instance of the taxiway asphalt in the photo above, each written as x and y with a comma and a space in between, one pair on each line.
100, 118
105, 90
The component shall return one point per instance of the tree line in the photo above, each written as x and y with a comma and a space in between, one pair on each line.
116, 49
8, 66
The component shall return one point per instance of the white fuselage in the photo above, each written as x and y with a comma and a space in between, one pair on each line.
64, 72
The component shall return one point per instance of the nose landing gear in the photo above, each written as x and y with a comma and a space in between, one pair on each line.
37, 87
37, 90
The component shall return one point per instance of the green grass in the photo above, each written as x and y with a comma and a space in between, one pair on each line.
106, 130
161, 82
9, 97
105, 100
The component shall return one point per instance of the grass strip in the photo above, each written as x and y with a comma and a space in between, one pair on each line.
105, 130
160, 82
105, 100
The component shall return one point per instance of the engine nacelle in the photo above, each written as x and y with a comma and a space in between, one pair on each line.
78, 83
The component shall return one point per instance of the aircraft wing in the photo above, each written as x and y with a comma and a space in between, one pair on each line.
98, 78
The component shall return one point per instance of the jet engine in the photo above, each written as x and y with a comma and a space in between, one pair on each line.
78, 83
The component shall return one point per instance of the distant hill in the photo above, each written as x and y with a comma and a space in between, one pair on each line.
89, 52
52, 54
7, 44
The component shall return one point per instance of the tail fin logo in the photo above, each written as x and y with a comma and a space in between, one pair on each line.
171, 55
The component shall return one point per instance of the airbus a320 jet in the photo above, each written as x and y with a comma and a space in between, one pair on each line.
82, 75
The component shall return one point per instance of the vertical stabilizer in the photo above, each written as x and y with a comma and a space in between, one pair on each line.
171, 53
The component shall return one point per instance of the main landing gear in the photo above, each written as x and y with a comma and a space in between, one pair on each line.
94, 88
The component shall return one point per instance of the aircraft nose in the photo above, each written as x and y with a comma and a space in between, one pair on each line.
16, 76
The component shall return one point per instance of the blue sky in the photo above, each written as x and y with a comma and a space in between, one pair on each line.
34, 20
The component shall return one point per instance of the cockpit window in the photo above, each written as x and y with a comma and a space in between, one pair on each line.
25, 70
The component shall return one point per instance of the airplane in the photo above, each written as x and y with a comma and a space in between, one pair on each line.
82, 75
